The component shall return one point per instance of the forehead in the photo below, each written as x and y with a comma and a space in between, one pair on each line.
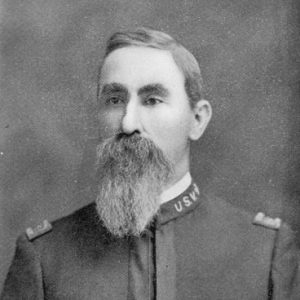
138, 66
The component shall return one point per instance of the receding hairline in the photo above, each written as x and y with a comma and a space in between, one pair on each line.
129, 47
140, 36
149, 38
133, 46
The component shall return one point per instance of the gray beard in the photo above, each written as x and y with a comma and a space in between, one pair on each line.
131, 172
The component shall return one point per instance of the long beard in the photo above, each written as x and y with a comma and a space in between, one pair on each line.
132, 172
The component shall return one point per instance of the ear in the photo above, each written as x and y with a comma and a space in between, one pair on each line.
202, 113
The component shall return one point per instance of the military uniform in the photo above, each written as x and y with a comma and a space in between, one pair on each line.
198, 247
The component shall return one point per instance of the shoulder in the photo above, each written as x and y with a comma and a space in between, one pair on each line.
258, 227
258, 231
228, 213
262, 238
83, 224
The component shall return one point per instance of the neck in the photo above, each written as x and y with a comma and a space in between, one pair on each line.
180, 170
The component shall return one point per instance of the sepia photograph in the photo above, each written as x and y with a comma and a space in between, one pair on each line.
150, 149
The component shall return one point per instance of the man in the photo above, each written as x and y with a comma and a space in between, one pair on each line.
151, 233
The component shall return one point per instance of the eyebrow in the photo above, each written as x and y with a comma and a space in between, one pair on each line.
154, 88
113, 88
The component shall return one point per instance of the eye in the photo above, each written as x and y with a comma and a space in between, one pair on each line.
114, 100
151, 101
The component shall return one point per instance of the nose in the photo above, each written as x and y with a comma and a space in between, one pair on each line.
131, 119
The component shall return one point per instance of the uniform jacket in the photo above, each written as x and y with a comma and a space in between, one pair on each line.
198, 247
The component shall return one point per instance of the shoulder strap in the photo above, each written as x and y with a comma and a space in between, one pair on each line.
39, 230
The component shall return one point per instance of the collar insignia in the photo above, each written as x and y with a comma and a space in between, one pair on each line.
188, 199
179, 206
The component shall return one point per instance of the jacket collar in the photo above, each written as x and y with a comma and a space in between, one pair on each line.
176, 189
180, 205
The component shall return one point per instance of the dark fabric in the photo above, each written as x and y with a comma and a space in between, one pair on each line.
141, 272
166, 262
285, 269
198, 247
24, 280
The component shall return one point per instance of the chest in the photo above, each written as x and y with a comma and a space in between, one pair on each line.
175, 261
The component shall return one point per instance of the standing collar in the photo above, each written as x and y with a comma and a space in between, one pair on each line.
176, 189
179, 206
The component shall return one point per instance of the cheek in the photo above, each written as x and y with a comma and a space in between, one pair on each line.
109, 123
171, 128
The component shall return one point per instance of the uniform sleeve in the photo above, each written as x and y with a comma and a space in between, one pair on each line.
285, 266
24, 278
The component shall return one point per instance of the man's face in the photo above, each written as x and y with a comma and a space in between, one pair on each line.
142, 90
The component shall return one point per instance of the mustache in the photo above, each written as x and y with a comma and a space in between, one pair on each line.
118, 150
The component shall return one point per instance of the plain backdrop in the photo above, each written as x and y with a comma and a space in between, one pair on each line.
248, 51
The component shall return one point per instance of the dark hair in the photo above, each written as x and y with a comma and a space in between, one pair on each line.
185, 60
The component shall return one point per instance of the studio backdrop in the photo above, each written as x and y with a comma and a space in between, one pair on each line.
248, 51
